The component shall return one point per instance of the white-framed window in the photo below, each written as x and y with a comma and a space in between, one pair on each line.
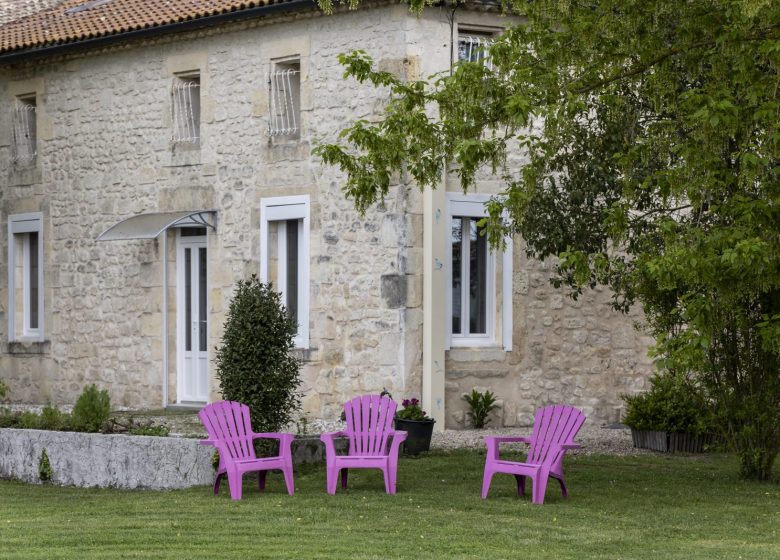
25, 129
185, 109
284, 255
25, 277
473, 312
284, 99
473, 46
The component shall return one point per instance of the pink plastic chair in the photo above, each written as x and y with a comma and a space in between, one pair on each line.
554, 431
369, 429
230, 431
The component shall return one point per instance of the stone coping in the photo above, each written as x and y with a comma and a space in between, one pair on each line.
120, 461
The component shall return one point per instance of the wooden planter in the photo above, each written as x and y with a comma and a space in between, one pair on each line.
671, 442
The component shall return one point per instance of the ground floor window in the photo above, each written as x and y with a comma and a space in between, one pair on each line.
284, 256
479, 295
25, 276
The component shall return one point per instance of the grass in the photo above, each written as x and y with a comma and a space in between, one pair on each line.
620, 507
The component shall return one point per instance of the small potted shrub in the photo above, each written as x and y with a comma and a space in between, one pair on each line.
418, 426
671, 416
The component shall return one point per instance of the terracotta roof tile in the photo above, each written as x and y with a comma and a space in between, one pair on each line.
65, 22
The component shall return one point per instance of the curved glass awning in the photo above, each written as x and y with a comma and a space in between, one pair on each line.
152, 224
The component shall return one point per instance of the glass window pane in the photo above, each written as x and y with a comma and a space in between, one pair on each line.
291, 289
188, 299
33, 264
202, 299
478, 251
457, 274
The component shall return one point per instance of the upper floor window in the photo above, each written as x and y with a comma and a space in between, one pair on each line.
25, 276
185, 106
284, 97
477, 303
25, 129
284, 256
473, 46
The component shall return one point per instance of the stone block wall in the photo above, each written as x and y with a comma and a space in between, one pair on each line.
105, 154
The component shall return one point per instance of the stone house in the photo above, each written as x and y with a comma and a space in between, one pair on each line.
155, 152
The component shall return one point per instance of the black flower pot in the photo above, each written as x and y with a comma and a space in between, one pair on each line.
418, 434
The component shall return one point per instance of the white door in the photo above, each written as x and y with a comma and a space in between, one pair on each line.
192, 317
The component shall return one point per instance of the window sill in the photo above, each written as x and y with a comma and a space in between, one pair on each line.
24, 174
29, 347
185, 154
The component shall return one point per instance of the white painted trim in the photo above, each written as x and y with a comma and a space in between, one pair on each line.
473, 206
19, 224
193, 243
280, 209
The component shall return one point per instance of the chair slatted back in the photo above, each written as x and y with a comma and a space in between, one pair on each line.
553, 424
228, 422
369, 422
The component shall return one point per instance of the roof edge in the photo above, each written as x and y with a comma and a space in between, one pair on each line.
276, 6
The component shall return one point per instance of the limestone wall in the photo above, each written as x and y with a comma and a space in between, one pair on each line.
105, 154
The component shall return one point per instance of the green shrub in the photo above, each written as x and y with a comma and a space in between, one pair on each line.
29, 420
3, 389
8, 418
480, 406
672, 405
44, 467
149, 430
51, 418
92, 410
253, 363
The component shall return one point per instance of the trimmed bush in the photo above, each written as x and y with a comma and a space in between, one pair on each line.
253, 362
92, 410
671, 405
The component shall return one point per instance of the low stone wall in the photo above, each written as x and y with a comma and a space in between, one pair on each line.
120, 461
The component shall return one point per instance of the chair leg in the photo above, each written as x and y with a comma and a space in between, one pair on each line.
332, 479
520, 484
539, 487
217, 479
287, 471
235, 480
261, 480
563, 487
344, 473
388, 485
486, 479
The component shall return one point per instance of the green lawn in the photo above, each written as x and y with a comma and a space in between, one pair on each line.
632, 507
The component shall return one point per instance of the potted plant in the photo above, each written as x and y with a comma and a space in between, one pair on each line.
671, 416
418, 426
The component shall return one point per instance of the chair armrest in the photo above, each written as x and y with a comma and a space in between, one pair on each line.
571, 446
509, 439
274, 435
208, 442
399, 435
332, 435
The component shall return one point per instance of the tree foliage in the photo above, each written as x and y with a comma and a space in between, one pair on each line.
651, 143
254, 363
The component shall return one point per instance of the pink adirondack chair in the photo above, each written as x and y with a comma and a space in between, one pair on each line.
554, 431
369, 430
230, 431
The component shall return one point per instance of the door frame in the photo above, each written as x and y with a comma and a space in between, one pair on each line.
191, 242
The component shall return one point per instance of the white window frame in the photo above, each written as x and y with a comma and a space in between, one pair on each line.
477, 40
25, 129
19, 224
284, 208
186, 109
473, 206
285, 86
